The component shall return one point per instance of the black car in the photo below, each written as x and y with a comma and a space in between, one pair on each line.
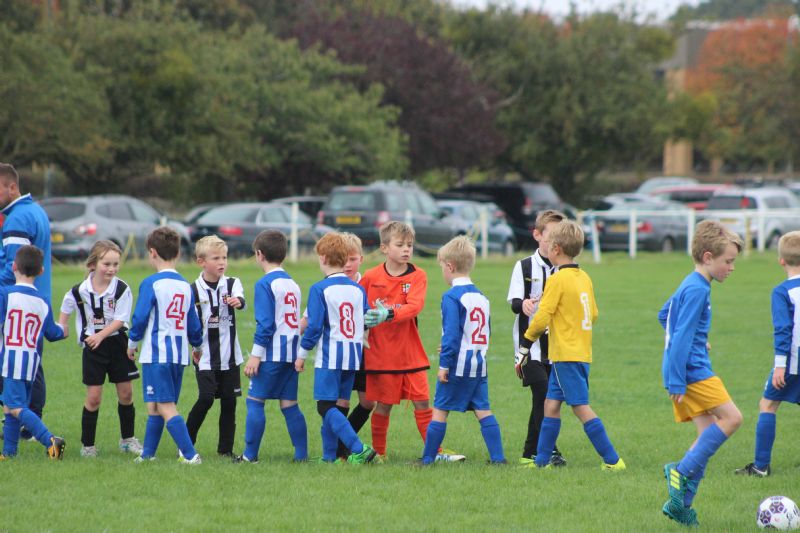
521, 202
364, 209
310, 205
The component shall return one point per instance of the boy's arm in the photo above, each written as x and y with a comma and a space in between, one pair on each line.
415, 300
238, 292
68, 306
543, 315
782, 323
122, 309
688, 316
316, 317
141, 314
194, 328
15, 236
52, 331
451, 332
664, 313
264, 302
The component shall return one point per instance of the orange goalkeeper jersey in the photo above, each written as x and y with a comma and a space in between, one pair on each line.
395, 346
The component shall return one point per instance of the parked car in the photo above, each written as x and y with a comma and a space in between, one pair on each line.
694, 196
664, 181
238, 224
197, 211
364, 209
521, 201
77, 222
660, 225
778, 207
464, 216
310, 205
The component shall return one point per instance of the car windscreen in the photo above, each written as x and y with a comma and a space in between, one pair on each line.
352, 201
60, 211
731, 202
228, 215
542, 193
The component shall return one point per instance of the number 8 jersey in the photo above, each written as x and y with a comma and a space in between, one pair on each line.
165, 318
336, 307
26, 319
465, 330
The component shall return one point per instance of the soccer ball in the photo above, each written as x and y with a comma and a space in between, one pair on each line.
778, 512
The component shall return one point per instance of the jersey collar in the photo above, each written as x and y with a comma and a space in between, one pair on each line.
204, 284
24, 197
29, 285
461, 281
90, 289
570, 265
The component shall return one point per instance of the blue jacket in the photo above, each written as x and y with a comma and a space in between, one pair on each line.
686, 317
26, 223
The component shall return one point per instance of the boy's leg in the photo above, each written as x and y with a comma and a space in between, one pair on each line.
91, 410
594, 429
728, 421
206, 388
11, 427
548, 434
227, 425
490, 430
125, 410
339, 425
385, 390
152, 432
296, 425
380, 426
538, 395
177, 429
765, 439
344, 407
435, 435
254, 426
38, 398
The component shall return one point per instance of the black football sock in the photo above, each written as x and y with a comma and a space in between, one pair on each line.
197, 415
227, 425
88, 426
127, 419
359, 417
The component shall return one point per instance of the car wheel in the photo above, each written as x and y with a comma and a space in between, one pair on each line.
668, 245
508, 248
772, 242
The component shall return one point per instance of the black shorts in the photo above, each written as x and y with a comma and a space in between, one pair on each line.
219, 383
110, 357
360, 381
535, 373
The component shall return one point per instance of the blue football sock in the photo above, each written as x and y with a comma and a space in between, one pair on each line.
548, 434
30, 420
180, 434
254, 426
490, 430
152, 435
10, 435
298, 432
765, 438
329, 442
596, 432
694, 462
343, 430
691, 491
433, 440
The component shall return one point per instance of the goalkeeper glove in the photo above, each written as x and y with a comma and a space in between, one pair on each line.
376, 316
521, 359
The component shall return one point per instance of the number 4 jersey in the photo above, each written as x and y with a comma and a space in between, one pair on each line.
165, 318
465, 330
277, 301
27, 318
569, 309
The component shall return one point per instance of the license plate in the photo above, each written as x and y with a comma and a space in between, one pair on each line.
729, 220
56, 237
618, 228
348, 220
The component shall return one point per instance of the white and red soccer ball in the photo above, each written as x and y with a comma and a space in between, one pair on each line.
778, 512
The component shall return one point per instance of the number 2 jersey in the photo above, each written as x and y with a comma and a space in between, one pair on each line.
336, 307
569, 309
277, 301
165, 318
27, 318
465, 330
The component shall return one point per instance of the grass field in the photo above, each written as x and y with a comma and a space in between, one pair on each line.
111, 493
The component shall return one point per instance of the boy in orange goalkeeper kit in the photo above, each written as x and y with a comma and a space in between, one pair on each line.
395, 361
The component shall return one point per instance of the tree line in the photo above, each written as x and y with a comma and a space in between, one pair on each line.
205, 100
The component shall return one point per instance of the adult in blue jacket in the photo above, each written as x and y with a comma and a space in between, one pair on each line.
25, 223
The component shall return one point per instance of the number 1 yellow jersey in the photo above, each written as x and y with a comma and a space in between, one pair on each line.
568, 308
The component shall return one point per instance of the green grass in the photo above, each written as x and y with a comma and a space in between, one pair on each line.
111, 493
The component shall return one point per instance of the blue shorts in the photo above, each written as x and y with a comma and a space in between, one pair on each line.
17, 393
274, 381
789, 393
333, 385
569, 382
161, 382
462, 394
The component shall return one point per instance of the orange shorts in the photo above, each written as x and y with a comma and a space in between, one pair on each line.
393, 388
700, 398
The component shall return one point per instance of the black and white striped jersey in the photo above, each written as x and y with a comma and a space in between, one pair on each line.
221, 349
93, 311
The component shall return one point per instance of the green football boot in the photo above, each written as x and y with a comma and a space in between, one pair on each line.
366, 456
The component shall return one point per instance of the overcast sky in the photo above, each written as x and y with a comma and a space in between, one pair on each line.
660, 9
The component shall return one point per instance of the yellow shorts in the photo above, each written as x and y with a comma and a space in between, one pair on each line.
700, 398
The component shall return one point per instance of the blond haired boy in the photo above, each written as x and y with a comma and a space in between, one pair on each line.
697, 394
568, 308
783, 382
216, 297
462, 383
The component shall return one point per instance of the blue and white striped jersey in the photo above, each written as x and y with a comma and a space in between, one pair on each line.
465, 330
786, 324
166, 319
27, 318
336, 307
277, 303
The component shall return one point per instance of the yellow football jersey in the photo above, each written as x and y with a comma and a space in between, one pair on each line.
568, 309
